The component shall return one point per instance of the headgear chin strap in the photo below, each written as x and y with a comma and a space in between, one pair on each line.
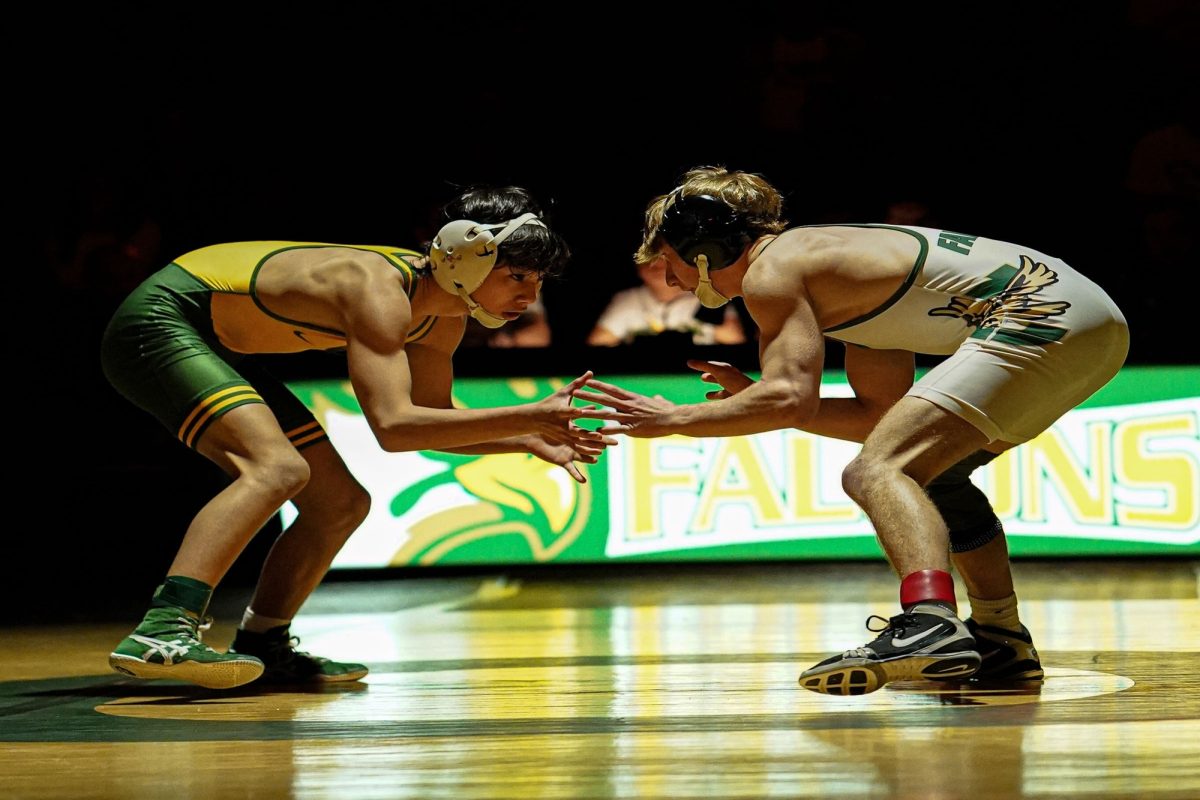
706, 293
707, 234
484, 317
464, 253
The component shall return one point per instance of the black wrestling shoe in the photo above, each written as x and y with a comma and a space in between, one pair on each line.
1007, 655
927, 643
284, 664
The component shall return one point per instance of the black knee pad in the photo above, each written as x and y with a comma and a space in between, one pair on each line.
965, 508
964, 540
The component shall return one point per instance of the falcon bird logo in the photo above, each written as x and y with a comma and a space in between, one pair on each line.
1017, 305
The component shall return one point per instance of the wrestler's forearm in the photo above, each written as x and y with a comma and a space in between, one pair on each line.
843, 418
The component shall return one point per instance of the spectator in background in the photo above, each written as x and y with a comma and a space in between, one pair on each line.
656, 307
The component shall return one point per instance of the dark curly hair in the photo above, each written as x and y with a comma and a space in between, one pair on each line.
530, 247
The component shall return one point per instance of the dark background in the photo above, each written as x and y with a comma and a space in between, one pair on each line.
1071, 128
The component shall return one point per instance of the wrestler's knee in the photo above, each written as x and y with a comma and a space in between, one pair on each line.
964, 507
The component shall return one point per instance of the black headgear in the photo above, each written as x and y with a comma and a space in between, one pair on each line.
700, 224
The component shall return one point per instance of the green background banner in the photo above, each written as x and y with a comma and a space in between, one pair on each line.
1118, 476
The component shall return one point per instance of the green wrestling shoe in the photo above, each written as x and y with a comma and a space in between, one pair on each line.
167, 645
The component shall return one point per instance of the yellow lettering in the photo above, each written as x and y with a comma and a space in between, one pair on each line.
649, 480
1049, 462
1174, 473
737, 476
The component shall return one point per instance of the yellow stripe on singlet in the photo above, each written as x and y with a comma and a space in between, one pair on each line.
243, 322
421, 330
303, 428
305, 433
210, 405
312, 437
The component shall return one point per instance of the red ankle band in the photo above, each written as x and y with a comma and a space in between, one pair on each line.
928, 585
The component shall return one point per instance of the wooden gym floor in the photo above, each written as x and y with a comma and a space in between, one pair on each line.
656, 682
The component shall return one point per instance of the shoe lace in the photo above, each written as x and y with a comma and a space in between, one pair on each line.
293, 645
283, 651
187, 635
895, 626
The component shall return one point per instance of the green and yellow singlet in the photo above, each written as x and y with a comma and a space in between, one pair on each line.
175, 346
244, 324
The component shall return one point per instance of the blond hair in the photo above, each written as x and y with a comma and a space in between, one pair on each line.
758, 203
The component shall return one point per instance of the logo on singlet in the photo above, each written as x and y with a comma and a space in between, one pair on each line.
959, 243
300, 335
1008, 306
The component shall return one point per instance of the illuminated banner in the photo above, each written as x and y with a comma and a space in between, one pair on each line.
1120, 475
